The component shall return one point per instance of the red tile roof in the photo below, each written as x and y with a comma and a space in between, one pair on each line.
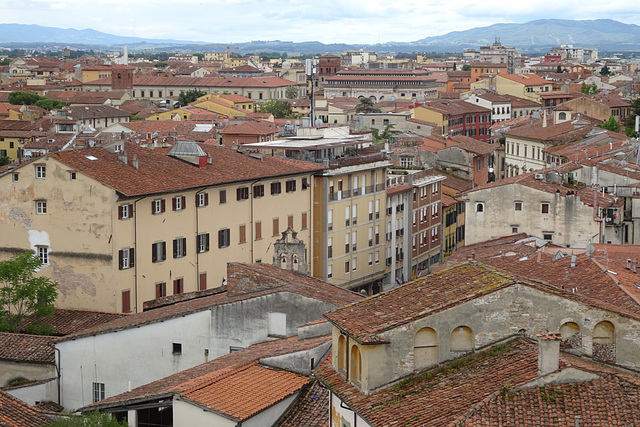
16, 413
473, 145
249, 82
311, 409
250, 128
66, 321
26, 348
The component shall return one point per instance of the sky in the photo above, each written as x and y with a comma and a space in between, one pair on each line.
327, 21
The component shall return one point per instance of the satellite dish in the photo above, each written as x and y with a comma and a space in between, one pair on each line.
590, 249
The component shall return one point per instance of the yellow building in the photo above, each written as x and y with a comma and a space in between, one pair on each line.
527, 86
96, 72
230, 105
116, 230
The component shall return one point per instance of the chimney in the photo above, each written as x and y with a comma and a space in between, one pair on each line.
122, 157
574, 258
548, 352
544, 119
628, 263
134, 162
634, 268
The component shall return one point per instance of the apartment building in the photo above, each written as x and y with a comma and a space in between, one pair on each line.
115, 230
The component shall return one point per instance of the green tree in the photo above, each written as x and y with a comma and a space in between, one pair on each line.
200, 56
5, 61
4, 160
50, 104
630, 121
279, 109
186, 98
366, 106
161, 65
591, 89
454, 66
611, 124
466, 67
604, 71
92, 419
22, 294
23, 98
388, 132
291, 92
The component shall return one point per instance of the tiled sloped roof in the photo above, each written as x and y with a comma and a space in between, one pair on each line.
473, 145
16, 413
250, 128
526, 79
26, 348
253, 82
246, 391
599, 403
560, 133
311, 409
67, 321
366, 319
185, 380
437, 397
517, 244
228, 166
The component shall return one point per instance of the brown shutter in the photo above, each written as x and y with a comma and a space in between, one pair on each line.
206, 199
120, 260
175, 248
173, 203
184, 246
131, 257
120, 212
163, 209
207, 241
304, 220
290, 221
184, 202
154, 253
258, 230
164, 251
126, 301
131, 211
203, 281
153, 207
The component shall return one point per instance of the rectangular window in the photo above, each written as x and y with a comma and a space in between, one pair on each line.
370, 259
354, 214
304, 221
72, 176
305, 183
126, 258
161, 289
176, 348
347, 266
547, 236
347, 215
517, 206
347, 245
41, 207
276, 226
202, 199
354, 264
258, 230
242, 193
125, 211
377, 257
291, 186
15, 177
329, 247
275, 188
178, 286
41, 171
377, 208
43, 254
126, 301
354, 240
179, 203
202, 241
224, 238
98, 392
202, 283
223, 196
258, 190
545, 208
242, 233
179, 247
290, 221
329, 271
157, 206
277, 324
158, 251
330, 220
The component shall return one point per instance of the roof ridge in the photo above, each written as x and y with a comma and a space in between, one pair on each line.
205, 380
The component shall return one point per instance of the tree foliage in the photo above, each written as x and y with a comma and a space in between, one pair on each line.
279, 109
186, 98
27, 98
630, 121
93, 419
50, 104
366, 105
466, 67
4, 160
291, 92
591, 89
604, 71
22, 294
611, 124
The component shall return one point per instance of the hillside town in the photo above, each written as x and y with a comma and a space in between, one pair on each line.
344, 240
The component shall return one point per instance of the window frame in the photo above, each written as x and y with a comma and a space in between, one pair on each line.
242, 193
179, 247
224, 238
41, 207
158, 252
41, 171
202, 199
290, 185
276, 188
43, 254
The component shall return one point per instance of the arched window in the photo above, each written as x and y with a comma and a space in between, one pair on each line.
604, 342
571, 336
479, 207
461, 340
562, 116
355, 364
342, 354
425, 348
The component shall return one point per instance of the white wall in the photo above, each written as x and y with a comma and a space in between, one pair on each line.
186, 414
41, 392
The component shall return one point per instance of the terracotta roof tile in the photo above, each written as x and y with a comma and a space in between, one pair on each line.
26, 348
473, 145
16, 413
311, 409
66, 321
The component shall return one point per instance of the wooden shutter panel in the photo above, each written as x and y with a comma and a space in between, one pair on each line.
184, 202
173, 203
184, 246
153, 207
131, 257
120, 212
175, 248
164, 251
131, 211
203, 281
163, 205
120, 260
154, 252
206, 199
126, 301
207, 241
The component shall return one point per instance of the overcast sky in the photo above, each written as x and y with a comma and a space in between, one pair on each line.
328, 21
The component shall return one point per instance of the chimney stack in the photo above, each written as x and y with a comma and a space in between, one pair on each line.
548, 352
122, 157
134, 162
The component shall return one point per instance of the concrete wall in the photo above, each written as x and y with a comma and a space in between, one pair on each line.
10, 371
341, 414
42, 392
299, 362
187, 414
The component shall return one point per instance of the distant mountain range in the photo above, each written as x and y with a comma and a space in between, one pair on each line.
535, 36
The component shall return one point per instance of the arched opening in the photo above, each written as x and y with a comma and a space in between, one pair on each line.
571, 336
342, 354
425, 348
355, 364
461, 340
479, 207
604, 342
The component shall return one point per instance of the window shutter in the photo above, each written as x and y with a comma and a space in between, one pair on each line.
120, 212
184, 246
153, 207
126, 301
154, 252
207, 241
175, 248
120, 260
131, 257
164, 251
206, 201
131, 211
163, 209
173, 203
184, 202
203, 281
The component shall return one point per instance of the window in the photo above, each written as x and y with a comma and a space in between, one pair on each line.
305, 183
178, 286
202, 283
72, 176
202, 199
290, 221
179, 203
157, 206
43, 254
377, 208
258, 230
330, 220
277, 324
158, 251
223, 196
290, 186
177, 348
41, 207
126, 301
347, 245
517, 206
202, 242
354, 264
329, 271
242, 193
329, 247
377, 257
304, 221
161, 289
258, 190
125, 211
224, 238
514, 230
347, 265
354, 214
15, 177
276, 226
98, 392
126, 258
370, 259
480, 207
354, 240
242, 233
179, 247
41, 171
545, 208
276, 188
547, 236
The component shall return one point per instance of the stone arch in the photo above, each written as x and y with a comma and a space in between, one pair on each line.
342, 354
604, 341
425, 348
571, 336
461, 340
355, 364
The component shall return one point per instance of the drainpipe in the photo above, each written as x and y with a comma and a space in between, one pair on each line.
197, 246
57, 365
135, 245
251, 219
347, 359
595, 215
